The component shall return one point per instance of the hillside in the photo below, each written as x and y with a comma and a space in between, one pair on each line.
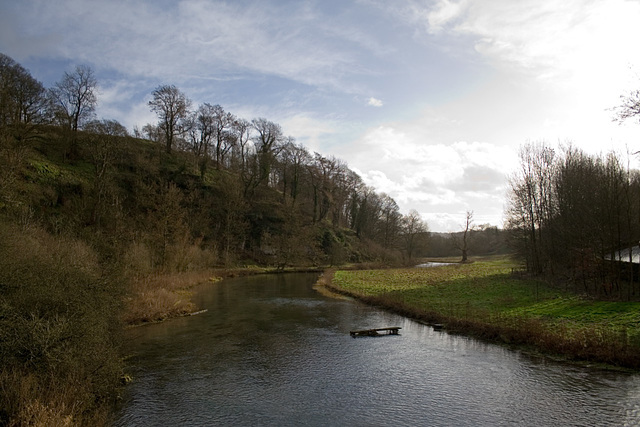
99, 229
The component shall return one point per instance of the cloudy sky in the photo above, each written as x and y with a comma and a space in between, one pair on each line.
428, 100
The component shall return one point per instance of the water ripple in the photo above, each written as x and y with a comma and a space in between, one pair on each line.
277, 353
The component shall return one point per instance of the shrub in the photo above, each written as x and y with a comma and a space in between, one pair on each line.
58, 327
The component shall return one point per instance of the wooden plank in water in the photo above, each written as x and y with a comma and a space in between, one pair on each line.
375, 332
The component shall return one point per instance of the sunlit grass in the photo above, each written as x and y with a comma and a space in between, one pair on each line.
487, 295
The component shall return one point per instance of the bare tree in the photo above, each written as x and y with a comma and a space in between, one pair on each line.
201, 130
322, 171
74, 97
211, 124
293, 157
103, 148
172, 107
464, 243
629, 108
222, 124
242, 131
391, 221
267, 143
22, 98
152, 132
414, 230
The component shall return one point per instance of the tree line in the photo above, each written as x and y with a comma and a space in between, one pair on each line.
570, 214
575, 217
276, 194
311, 189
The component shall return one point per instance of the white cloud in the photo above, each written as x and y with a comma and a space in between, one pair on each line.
374, 102
399, 159
190, 39
442, 14
564, 42
308, 131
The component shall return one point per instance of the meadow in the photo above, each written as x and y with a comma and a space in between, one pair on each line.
486, 299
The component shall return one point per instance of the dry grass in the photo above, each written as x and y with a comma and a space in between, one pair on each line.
59, 362
38, 401
161, 296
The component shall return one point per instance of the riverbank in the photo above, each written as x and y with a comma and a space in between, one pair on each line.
159, 297
484, 299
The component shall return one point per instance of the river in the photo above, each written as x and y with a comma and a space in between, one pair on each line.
273, 351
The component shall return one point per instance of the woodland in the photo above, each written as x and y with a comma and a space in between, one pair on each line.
574, 218
88, 209
92, 215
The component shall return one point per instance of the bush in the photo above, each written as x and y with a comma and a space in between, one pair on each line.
58, 327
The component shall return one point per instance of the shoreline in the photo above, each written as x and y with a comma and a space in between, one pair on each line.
158, 298
530, 335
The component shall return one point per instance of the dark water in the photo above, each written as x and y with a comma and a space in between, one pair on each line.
272, 351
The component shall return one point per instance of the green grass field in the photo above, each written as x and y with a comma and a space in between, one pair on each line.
485, 295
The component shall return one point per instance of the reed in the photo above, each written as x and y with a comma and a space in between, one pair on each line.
158, 297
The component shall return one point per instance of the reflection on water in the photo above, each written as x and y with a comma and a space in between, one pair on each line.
434, 264
272, 351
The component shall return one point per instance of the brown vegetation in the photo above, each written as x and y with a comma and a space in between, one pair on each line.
58, 314
158, 297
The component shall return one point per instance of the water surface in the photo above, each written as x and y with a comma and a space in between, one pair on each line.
272, 351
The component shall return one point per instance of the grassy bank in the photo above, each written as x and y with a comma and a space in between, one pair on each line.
486, 300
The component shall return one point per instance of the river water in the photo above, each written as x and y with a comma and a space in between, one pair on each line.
273, 351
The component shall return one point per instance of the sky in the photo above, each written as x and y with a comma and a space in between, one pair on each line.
428, 101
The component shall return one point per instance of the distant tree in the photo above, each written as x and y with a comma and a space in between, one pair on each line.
349, 188
106, 127
152, 132
103, 148
390, 222
74, 97
414, 231
267, 142
241, 129
463, 242
172, 107
293, 158
222, 124
322, 172
22, 98
243, 154
365, 206
202, 130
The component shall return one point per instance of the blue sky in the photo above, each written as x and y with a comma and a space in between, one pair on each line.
428, 100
